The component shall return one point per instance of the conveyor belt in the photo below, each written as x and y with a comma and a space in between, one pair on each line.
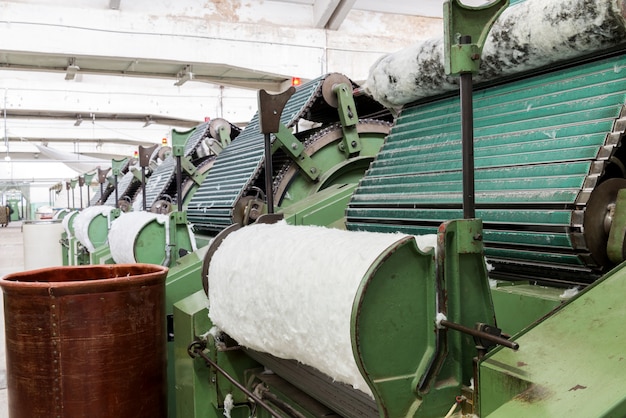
200, 132
541, 146
98, 199
124, 187
237, 167
158, 182
164, 175
95, 197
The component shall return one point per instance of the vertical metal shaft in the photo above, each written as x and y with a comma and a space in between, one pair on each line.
81, 196
116, 195
73, 201
269, 192
88, 198
179, 183
101, 192
143, 188
467, 138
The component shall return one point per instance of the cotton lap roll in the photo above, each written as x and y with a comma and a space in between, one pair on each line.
288, 291
124, 231
83, 220
66, 222
526, 36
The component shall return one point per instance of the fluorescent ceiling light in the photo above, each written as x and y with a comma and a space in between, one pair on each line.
184, 75
72, 69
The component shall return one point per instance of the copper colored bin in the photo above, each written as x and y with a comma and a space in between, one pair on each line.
86, 341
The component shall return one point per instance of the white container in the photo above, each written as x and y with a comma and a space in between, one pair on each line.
42, 247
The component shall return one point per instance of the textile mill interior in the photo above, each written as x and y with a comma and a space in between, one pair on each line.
440, 232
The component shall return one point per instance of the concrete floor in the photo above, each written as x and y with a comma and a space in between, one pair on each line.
11, 261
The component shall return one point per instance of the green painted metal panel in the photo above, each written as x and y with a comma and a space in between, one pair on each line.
539, 142
571, 364
520, 304
98, 229
192, 390
324, 208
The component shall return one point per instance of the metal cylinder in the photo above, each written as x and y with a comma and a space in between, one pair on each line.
86, 341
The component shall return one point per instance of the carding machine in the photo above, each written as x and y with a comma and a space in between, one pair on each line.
513, 312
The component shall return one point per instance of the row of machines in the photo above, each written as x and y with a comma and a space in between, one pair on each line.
146, 186
325, 138
510, 312
417, 246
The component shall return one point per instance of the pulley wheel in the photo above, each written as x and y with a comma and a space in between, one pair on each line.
162, 207
597, 220
124, 205
254, 204
216, 124
329, 85
164, 152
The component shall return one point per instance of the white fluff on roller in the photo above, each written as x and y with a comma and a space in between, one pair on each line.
83, 220
526, 36
124, 231
66, 223
288, 291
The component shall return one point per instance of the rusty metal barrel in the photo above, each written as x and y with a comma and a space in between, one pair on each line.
86, 341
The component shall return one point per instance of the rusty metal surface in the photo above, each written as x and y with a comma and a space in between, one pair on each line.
86, 341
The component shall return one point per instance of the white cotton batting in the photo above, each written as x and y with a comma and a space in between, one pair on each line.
569, 293
526, 36
66, 222
83, 220
288, 291
124, 232
229, 404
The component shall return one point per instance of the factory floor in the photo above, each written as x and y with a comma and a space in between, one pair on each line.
11, 261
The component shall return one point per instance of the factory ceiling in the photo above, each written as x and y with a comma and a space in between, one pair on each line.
75, 60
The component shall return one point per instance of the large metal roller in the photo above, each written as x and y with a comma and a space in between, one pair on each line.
529, 35
549, 162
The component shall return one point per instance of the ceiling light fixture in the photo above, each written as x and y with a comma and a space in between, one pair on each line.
72, 69
184, 75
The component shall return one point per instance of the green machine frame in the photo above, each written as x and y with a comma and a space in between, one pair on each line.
424, 374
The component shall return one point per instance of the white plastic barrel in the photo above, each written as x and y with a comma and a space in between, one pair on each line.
42, 247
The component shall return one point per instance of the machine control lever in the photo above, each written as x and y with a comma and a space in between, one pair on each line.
270, 110
479, 334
